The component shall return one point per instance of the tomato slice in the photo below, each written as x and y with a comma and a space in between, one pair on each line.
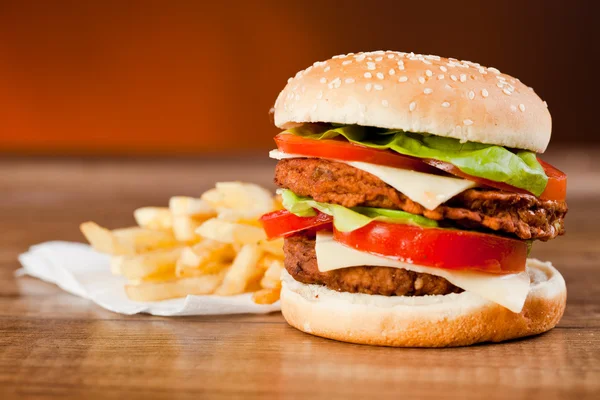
283, 223
440, 248
346, 151
556, 189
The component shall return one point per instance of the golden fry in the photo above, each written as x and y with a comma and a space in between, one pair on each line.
157, 262
230, 232
266, 296
151, 291
127, 240
158, 218
242, 271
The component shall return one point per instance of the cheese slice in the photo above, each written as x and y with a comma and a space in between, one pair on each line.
508, 290
426, 189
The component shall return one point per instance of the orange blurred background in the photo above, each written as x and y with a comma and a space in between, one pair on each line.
195, 77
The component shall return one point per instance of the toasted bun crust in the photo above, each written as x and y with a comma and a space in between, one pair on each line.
416, 93
430, 321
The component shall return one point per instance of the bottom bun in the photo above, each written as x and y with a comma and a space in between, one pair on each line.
428, 321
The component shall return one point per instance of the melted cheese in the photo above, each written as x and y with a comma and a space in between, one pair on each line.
508, 290
428, 190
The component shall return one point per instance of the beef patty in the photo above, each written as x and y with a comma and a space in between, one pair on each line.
327, 181
301, 263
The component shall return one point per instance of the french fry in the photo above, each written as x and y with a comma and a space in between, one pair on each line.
272, 277
230, 232
209, 245
126, 241
274, 247
184, 228
206, 257
245, 201
157, 262
188, 213
190, 206
266, 296
158, 218
151, 291
242, 271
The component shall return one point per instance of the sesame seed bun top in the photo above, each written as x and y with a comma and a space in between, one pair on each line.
417, 93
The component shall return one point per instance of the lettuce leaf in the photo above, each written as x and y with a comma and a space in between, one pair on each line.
496, 163
349, 219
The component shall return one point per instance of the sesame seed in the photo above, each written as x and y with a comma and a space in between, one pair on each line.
390, 56
379, 59
327, 68
500, 78
368, 75
445, 104
392, 71
545, 103
444, 69
360, 57
522, 107
384, 103
370, 65
421, 79
453, 77
428, 91
471, 95
484, 93
323, 80
349, 80
426, 62
403, 79
513, 108
440, 76
378, 86
500, 85
463, 77
448, 86
429, 73
368, 87
289, 80
494, 70
506, 91
320, 95
468, 122
347, 62
380, 75
412, 106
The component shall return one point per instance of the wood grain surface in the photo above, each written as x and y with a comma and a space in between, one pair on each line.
53, 344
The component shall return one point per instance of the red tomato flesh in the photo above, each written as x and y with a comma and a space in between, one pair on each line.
556, 189
439, 248
346, 151
433, 247
283, 223
343, 150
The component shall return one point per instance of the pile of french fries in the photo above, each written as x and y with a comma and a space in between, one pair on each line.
197, 246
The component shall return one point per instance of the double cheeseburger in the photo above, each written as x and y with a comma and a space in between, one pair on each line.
413, 191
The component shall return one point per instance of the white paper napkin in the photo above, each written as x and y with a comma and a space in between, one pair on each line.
78, 269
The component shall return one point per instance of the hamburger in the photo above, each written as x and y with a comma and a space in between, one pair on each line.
413, 190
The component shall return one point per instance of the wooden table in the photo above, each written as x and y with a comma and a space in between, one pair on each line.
55, 344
